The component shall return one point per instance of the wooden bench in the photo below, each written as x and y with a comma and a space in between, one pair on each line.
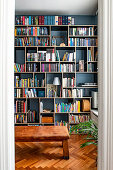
43, 134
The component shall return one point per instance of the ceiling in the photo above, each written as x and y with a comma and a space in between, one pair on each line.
56, 7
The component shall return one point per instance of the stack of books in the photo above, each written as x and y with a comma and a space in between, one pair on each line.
32, 67
39, 83
23, 82
61, 123
91, 67
31, 93
32, 57
69, 82
48, 55
19, 118
91, 54
69, 56
20, 93
31, 116
67, 67
83, 42
19, 67
31, 41
34, 31
67, 107
78, 118
50, 67
82, 31
44, 20
20, 106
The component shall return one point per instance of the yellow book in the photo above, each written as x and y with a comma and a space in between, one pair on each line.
15, 32
15, 68
75, 41
78, 106
28, 82
56, 107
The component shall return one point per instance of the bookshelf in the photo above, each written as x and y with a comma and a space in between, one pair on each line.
39, 59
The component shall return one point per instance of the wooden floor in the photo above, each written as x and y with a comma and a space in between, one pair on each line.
48, 156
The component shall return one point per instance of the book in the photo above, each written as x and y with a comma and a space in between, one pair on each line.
56, 20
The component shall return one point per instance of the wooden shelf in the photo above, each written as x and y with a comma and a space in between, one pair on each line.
92, 61
32, 35
87, 87
52, 97
50, 61
87, 72
20, 112
54, 25
71, 112
81, 36
56, 46
29, 87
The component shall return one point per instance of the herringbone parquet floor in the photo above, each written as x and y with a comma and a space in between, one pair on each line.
48, 156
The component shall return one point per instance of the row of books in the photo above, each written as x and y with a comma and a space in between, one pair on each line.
32, 57
83, 42
31, 115
69, 56
31, 93
51, 93
23, 82
34, 31
19, 118
67, 67
69, 82
50, 67
82, 31
19, 67
61, 123
20, 93
31, 41
39, 83
91, 67
20, 106
32, 67
67, 107
48, 55
72, 93
91, 54
78, 118
44, 20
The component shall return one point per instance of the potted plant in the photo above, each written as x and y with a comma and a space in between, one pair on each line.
90, 129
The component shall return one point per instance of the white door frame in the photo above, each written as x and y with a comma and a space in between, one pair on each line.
105, 147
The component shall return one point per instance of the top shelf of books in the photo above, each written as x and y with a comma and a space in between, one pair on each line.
46, 21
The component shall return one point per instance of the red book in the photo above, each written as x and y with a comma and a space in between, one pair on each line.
73, 81
16, 106
58, 20
42, 20
34, 20
49, 67
24, 106
23, 20
21, 70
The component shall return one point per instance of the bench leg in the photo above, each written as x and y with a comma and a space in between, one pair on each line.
65, 149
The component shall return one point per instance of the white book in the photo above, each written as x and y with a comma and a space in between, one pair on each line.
53, 57
63, 92
56, 20
27, 21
